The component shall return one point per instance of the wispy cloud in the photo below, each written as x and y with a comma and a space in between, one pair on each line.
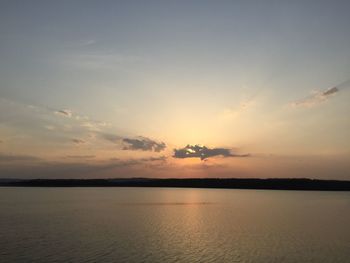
111, 137
87, 42
98, 127
83, 121
316, 98
203, 152
49, 127
54, 126
99, 60
65, 113
94, 125
79, 43
78, 141
234, 112
319, 97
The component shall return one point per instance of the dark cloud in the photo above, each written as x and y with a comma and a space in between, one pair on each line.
203, 152
17, 158
65, 113
78, 141
143, 144
330, 91
133, 144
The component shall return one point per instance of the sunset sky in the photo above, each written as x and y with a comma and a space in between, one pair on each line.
97, 89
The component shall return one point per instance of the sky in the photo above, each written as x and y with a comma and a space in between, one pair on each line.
107, 89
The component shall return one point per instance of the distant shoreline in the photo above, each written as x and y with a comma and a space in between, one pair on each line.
218, 183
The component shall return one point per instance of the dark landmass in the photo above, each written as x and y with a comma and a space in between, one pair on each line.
225, 183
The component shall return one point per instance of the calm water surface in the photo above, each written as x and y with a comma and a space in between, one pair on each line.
173, 225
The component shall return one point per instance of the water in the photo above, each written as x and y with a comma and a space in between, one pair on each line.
173, 225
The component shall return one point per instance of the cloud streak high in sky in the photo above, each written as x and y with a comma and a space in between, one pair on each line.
319, 97
66, 113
